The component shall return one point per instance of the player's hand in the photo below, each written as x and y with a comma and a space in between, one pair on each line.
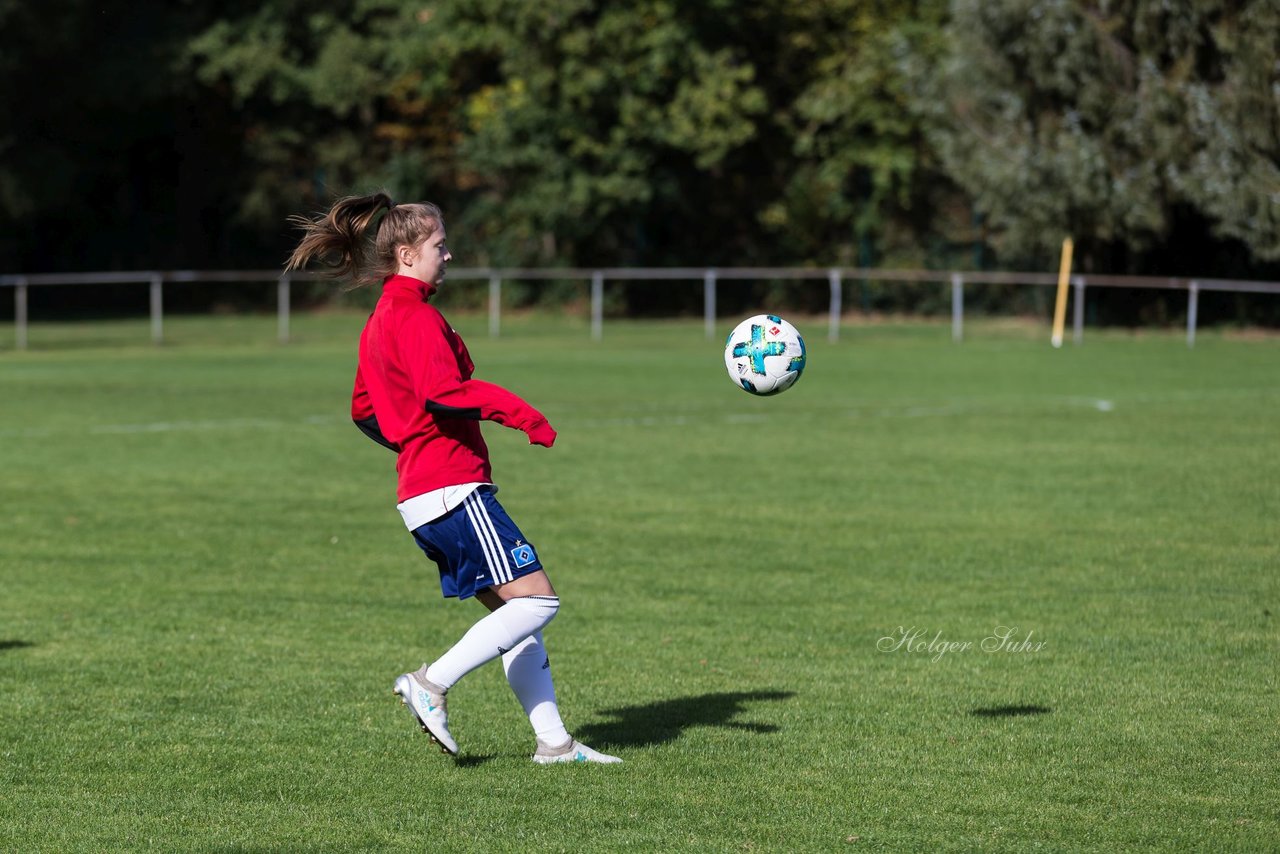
542, 434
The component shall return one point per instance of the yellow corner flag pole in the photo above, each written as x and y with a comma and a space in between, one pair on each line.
1064, 278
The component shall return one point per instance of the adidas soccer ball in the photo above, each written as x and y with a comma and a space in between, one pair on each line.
764, 355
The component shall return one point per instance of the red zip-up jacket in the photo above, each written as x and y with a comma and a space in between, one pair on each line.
415, 395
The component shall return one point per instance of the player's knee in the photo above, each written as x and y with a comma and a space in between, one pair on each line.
540, 608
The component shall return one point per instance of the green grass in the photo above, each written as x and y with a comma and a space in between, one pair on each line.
207, 593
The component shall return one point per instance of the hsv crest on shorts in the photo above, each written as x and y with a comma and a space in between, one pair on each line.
523, 555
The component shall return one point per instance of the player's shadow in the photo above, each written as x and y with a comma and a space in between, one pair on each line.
1010, 711
664, 720
472, 761
14, 644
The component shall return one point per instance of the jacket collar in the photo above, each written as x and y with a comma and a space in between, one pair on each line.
408, 286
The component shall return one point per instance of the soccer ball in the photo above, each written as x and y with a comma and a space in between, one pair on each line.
764, 355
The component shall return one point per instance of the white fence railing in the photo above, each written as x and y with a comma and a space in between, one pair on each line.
709, 276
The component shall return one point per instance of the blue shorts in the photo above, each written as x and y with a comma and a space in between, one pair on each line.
476, 545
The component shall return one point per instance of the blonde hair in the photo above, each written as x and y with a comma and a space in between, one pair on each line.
339, 239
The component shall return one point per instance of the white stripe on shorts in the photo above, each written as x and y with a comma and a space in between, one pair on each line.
499, 570
495, 570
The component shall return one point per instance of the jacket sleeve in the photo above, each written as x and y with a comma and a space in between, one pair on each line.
363, 416
438, 382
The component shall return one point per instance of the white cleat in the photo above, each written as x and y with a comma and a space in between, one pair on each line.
571, 751
427, 702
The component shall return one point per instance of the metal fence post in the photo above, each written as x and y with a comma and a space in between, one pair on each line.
709, 303
957, 307
1193, 304
1077, 311
495, 305
157, 308
20, 315
597, 305
282, 308
833, 328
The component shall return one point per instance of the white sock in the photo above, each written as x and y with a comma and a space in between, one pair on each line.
495, 635
529, 674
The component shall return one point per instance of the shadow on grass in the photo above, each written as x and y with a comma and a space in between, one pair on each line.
471, 761
14, 644
1010, 711
664, 720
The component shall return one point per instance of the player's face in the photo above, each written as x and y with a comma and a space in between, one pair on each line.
429, 259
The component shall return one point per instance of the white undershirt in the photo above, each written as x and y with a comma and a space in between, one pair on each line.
429, 506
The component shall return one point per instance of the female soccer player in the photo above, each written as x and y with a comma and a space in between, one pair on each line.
414, 394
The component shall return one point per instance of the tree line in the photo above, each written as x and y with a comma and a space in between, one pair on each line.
895, 133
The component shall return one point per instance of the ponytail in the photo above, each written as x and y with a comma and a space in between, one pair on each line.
338, 238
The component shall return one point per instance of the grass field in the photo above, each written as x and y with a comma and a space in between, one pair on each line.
778, 611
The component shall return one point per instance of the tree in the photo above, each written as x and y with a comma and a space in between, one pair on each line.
863, 174
104, 160
1107, 120
570, 131
1233, 125
323, 104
